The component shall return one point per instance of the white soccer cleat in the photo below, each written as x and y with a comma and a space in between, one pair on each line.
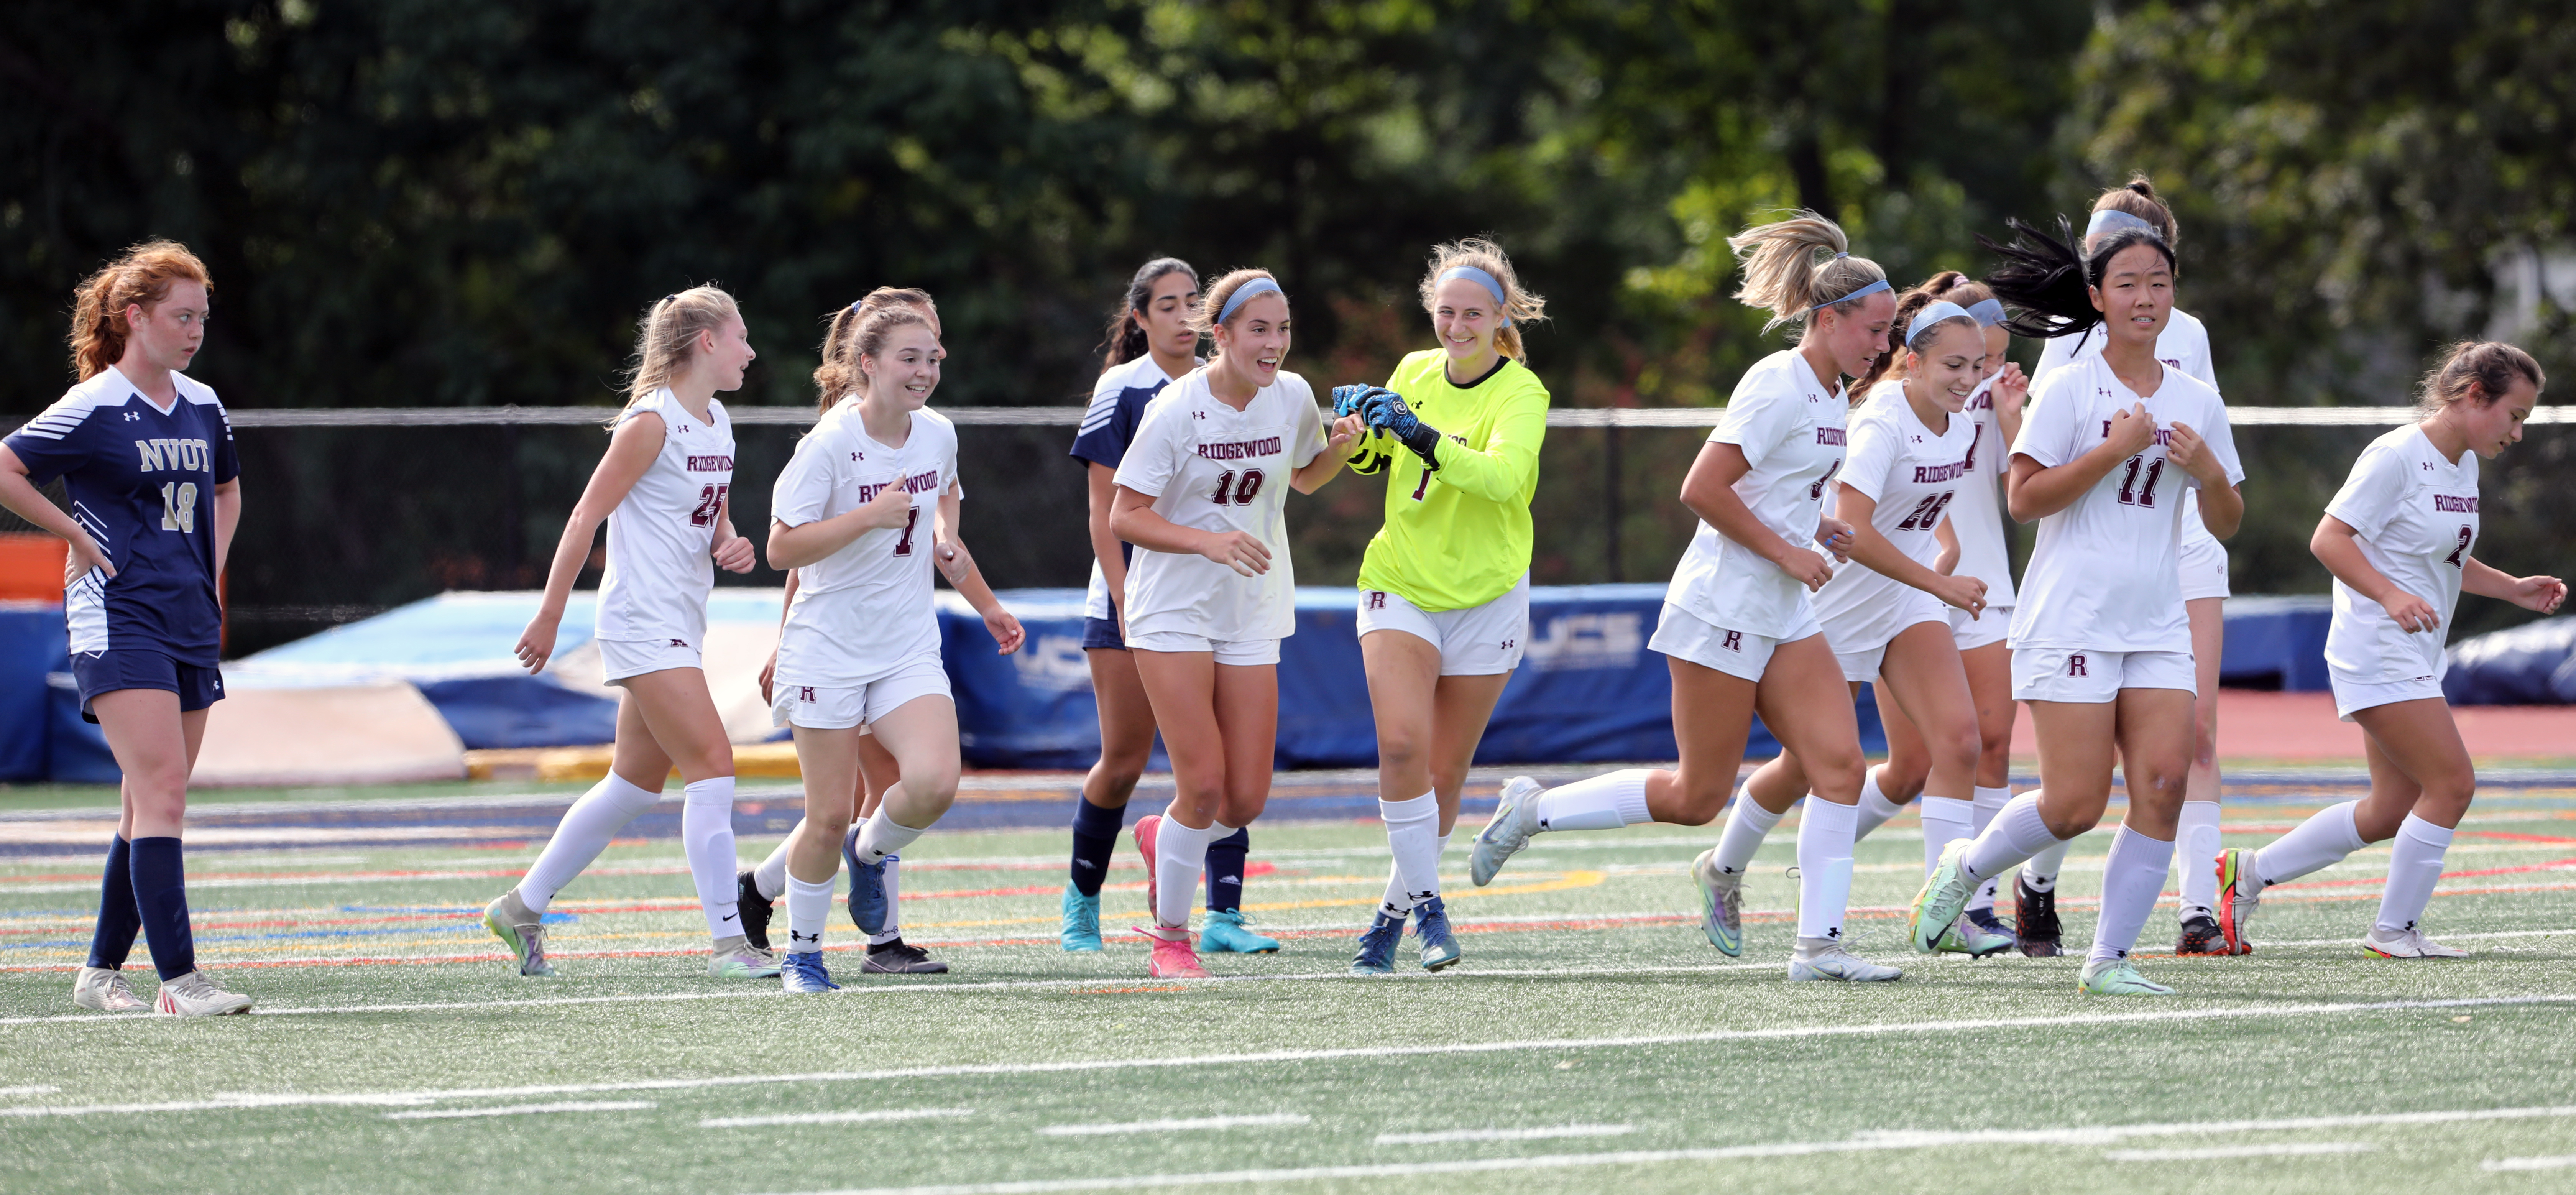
1826, 959
193, 995
737, 958
2409, 942
1515, 818
104, 990
1721, 903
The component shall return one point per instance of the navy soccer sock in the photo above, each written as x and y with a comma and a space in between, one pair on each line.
117, 918
161, 897
1225, 871
1095, 839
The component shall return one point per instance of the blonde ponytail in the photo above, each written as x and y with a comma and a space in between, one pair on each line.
1782, 274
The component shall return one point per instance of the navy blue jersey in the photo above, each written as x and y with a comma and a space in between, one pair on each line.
142, 482
1117, 405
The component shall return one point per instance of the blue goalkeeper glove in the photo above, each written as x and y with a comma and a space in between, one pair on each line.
1347, 399
1386, 411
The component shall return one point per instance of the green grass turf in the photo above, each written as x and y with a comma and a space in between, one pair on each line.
1849, 1088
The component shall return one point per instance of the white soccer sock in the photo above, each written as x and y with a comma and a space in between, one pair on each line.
1180, 855
1746, 826
809, 905
585, 831
2414, 865
770, 878
2016, 835
2328, 837
894, 912
1945, 820
2196, 848
1413, 836
2040, 871
1395, 878
706, 837
1874, 807
1604, 802
1988, 803
1824, 868
882, 836
2132, 878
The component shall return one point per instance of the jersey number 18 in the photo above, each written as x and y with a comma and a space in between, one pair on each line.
179, 506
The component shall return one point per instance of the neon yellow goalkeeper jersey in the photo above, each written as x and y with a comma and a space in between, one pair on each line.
1457, 536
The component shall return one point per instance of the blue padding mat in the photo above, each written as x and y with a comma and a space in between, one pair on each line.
32, 643
2532, 664
2276, 643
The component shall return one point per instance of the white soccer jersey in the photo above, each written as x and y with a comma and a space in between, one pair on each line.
661, 538
2183, 345
2102, 574
1117, 402
865, 611
1210, 467
1914, 474
2418, 518
1791, 428
1977, 513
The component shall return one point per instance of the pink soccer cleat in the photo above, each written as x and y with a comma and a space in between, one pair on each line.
1172, 958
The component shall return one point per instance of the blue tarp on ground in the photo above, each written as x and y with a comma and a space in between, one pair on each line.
2276, 643
31, 645
2532, 664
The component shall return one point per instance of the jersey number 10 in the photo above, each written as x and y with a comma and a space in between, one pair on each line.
1240, 493
179, 506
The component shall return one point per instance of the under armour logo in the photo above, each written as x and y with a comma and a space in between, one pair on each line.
137, 417
2075, 665
1835, 932
793, 936
1734, 641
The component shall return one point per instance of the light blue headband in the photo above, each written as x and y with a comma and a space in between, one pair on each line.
1258, 286
1987, 312
1481, 278
2109, 220
1862, 293
1934, 313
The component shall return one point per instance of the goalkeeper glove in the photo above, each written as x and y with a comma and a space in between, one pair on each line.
1386, 411
1347, 399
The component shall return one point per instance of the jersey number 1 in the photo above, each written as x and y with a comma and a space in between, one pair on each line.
179, 506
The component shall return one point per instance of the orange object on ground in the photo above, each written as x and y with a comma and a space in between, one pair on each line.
31, 567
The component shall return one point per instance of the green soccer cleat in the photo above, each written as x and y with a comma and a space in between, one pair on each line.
522, 931
1967, 936
1228, 932
737, 958
2117, 977
1721, 904
1945, 892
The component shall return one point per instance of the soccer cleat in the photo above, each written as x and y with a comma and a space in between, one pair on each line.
1431, 924
899, 957
1825, 958
2035, 927
1377, 946
522, 931
2409, 942
1945, 892
754, 907
105, 990
2200, 936
193, 995
1970, 937
737, 958
1227, 932
1721, 904
802, 972
1508, 832
1172, 957
1148, 828
2117, 977
1987, 921
1081, 920
2240, 892
867, 887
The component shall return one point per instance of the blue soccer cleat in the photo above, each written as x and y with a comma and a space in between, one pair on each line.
1431, 925
803, 972
1081, 920
867, 886
1226, 932
1377, 946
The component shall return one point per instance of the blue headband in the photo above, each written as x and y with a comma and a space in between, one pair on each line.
1258, 286
1481, 278
1862, 293
1987, 312
2109, 220
1932, 314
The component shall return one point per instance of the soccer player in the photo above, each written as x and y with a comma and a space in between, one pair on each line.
860, 649
1444, 587
1210, 591
1739, 622
2397, 538
1151, 341
663, 489
146, 453
2101, 646
2183, 345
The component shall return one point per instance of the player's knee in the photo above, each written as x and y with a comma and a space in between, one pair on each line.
2067, 823
1399, 748
1963, 749
1115, 779
1840, 772
1695, 801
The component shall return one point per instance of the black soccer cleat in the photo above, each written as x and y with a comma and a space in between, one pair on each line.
2200, 935
2035, 927
755, 909
901, 958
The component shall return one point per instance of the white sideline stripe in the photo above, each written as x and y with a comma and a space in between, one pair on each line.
1177, 1126
2285, 1149
753, 1122
31, 1089
2485, 937
529, 1109
2560, 1162
238, 1101
1563, 1130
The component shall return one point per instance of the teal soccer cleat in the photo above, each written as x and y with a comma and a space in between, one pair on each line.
1081, 921
1227, 932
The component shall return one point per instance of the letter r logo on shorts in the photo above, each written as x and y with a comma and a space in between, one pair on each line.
679, 643
1734, 641
1377, 600
2075, 665
804, 692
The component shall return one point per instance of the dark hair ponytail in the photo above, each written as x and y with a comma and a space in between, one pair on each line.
2044, 280
1125, 340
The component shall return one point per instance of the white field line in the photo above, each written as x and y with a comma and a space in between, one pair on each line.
1192, 1124
882, 1114
1542, 1134
528, 1110
2560, 1162
2284, 1149
237, 1102
30, 1089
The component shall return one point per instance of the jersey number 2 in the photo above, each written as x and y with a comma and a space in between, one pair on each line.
711, 500
2467, 535
179, 507
1240, 493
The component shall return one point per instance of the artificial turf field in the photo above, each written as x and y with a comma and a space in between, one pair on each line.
1591, 1039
